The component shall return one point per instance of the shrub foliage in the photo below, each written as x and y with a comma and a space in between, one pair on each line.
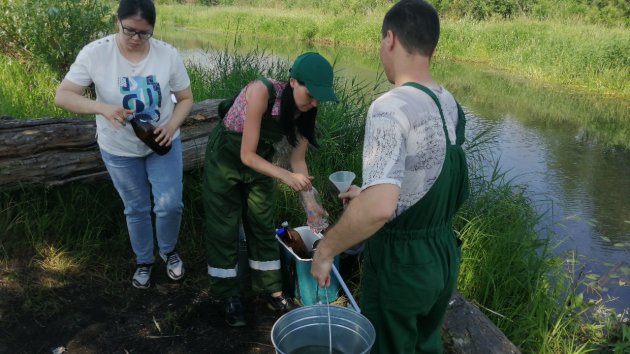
51, 31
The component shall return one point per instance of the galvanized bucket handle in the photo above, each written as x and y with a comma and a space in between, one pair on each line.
344, 287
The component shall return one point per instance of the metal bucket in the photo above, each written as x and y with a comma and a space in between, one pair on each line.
308, 327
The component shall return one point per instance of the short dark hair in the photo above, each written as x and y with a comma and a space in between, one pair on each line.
142, 8
416, 24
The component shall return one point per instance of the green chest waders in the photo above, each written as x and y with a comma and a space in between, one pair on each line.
411, 265
233, 192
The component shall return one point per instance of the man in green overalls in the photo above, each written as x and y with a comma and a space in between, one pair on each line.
415, 178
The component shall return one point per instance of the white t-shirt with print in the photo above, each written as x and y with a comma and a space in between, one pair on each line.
404, 141
144, 87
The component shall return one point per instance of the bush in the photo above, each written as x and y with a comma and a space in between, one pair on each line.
51, 31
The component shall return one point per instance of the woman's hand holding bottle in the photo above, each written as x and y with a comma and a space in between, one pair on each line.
316, 215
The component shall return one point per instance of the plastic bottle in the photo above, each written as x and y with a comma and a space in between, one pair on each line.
316, 215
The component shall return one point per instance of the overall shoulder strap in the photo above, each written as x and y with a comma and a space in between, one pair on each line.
270, 88
437, 103
460, 130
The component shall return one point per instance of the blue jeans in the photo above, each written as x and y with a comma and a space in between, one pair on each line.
135, 179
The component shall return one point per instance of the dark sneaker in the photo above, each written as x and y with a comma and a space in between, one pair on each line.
280, 303
174, 265
234, 312
142, 276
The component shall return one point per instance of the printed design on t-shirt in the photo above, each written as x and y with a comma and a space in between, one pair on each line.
143, 95
383, 139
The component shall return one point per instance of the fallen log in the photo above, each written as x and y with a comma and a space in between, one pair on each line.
54, 151
467, 330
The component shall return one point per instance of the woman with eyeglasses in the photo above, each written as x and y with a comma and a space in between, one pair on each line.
239, 178
134, 76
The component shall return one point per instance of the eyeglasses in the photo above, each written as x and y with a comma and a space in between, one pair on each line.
131, 32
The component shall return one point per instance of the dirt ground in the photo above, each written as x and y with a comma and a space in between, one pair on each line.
41, 312
97, 310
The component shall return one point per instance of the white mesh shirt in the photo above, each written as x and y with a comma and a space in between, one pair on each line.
404, 141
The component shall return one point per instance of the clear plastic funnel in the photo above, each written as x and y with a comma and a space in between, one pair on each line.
342, 180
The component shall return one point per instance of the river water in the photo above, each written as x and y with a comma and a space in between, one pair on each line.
571, 151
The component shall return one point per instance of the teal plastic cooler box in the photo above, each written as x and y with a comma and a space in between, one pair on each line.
305, 287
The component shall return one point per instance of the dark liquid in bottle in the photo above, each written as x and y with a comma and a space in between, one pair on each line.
145, 131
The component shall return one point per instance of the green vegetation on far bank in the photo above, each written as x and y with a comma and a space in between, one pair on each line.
608, 13
582, 57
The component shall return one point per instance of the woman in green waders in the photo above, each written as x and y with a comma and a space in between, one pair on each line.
238, 182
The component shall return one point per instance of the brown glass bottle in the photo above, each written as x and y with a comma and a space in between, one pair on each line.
145, 131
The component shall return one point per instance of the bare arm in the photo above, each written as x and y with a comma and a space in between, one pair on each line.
363, 217
297, 160
182, 108
257, 97
69, 96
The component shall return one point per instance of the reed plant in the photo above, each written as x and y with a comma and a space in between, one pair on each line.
221, 74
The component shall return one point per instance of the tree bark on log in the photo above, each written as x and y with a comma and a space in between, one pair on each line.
55, 151
467, 330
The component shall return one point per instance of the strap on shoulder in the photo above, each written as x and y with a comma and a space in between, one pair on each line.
460, 135
270, 88
461, 116
437, 103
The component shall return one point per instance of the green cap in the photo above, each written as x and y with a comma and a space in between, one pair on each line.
316, 73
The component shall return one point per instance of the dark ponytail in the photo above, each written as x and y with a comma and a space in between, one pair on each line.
304, 124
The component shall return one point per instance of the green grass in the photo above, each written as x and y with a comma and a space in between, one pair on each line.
609, 13
495, 95
583, 57
300, 24
27, 91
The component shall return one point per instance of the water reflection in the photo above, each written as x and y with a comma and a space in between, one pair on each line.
571, 150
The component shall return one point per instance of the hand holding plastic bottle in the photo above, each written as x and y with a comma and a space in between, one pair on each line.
316, 215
